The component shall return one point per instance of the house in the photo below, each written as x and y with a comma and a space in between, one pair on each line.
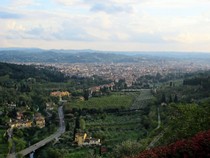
94, 89
98, 88
81, 98
163, 104
12, 105
60, 94
19, 116
39, 120
92, 141
110, 86
50, 106
21, 124
82, 140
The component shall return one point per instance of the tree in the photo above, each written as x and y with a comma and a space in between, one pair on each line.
20, 144
170, 99
175, 99
44, 154
19, 155
55, 153
163, 99
18, 132
67, 126
82, 124
86, 94
127, 149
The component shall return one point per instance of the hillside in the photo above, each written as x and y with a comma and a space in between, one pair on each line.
197, 146
19, 72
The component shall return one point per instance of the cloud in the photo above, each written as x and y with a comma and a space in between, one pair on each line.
35, 31
72, 33
69, 2
9, 15
94, 23
189, 38
148, 38
110, 8
24, 3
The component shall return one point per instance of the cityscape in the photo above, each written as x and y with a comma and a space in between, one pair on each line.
104, 79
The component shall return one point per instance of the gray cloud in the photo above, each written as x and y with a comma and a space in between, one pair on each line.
110, 8
35, 31
8, 15
72, 31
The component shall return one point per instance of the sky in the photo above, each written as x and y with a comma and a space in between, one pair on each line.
109, 25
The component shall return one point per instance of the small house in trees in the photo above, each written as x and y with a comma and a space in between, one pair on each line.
21, 124
39, 120
163, 104
50, 106
19, 115
60, 94
12, 105
80, 138
92, 141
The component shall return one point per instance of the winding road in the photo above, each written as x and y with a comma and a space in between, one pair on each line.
43, 142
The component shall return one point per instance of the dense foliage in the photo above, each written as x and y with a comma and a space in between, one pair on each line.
197, 146
20, 72
184, 120
203, 81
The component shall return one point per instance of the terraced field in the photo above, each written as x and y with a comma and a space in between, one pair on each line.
114, 128
131, 121
141, 99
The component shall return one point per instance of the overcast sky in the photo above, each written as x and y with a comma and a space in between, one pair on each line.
128, 25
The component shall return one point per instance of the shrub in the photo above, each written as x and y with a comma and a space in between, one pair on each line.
197, 146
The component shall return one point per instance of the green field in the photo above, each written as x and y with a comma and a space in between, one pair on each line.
104, 102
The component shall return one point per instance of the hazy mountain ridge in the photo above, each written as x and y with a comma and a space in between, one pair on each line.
56, 56
89, 56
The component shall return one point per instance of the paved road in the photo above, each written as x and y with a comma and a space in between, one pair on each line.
43, 142
131, 90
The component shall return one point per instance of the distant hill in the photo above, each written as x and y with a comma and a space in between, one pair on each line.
61, 57
89, 56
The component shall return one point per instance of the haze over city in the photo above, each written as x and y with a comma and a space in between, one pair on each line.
117, 25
